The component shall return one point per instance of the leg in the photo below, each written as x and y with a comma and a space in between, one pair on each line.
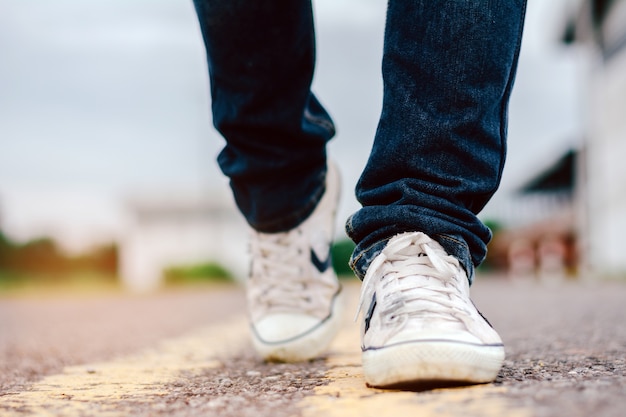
439, 150
438, 155
261, 58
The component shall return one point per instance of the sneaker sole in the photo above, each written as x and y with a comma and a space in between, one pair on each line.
432, 364
307, 346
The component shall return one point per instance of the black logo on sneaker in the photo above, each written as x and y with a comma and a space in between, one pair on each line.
321, 265
370, 313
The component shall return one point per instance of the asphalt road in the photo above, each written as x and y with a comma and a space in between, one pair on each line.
186, 353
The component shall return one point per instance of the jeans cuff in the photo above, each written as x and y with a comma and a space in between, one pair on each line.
361, 259
457, 247
294, 219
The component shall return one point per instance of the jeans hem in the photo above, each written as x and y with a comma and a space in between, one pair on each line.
294, 219
361, 259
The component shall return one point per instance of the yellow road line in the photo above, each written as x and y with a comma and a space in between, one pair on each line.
347, 395
110, 388
113, 388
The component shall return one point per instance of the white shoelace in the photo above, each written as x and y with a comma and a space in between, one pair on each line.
402, 275
280, 273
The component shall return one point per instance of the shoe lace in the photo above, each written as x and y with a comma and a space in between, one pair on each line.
412, 277
279, 276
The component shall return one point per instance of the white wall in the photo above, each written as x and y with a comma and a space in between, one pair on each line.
181, 232
606, 170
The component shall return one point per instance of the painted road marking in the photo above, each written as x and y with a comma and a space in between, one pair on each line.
111, 388
347, 395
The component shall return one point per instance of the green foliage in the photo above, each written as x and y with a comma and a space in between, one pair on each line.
341, 252
493, 260
196, 273
494, 225
40, 262
5, 242
9, 280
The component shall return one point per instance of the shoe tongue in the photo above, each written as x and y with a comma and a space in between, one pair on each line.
439, 258
430, 250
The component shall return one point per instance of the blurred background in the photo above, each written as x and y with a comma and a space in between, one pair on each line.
107, 152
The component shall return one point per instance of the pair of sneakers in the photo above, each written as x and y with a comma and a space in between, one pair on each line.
419, 324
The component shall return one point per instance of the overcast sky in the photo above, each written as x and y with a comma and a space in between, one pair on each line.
101, 100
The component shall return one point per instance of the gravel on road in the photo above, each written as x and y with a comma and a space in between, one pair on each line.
566, 348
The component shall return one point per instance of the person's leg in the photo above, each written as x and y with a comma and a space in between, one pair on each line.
261, 57
439, 150
448, 69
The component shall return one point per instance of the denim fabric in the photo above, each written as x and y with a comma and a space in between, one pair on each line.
438, 154
261, 56
439, 150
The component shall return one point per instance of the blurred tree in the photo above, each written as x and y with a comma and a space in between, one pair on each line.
6, 247
103, 259
40, 256
41, 260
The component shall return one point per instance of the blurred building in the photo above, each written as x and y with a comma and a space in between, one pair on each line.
180, 230
572, 214
544, 241
599, 28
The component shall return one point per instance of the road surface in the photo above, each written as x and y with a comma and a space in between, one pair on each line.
187, 353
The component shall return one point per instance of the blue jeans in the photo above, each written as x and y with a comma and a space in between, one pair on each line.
448, 69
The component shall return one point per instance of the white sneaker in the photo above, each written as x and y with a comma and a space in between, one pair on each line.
293, 293
420, 326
